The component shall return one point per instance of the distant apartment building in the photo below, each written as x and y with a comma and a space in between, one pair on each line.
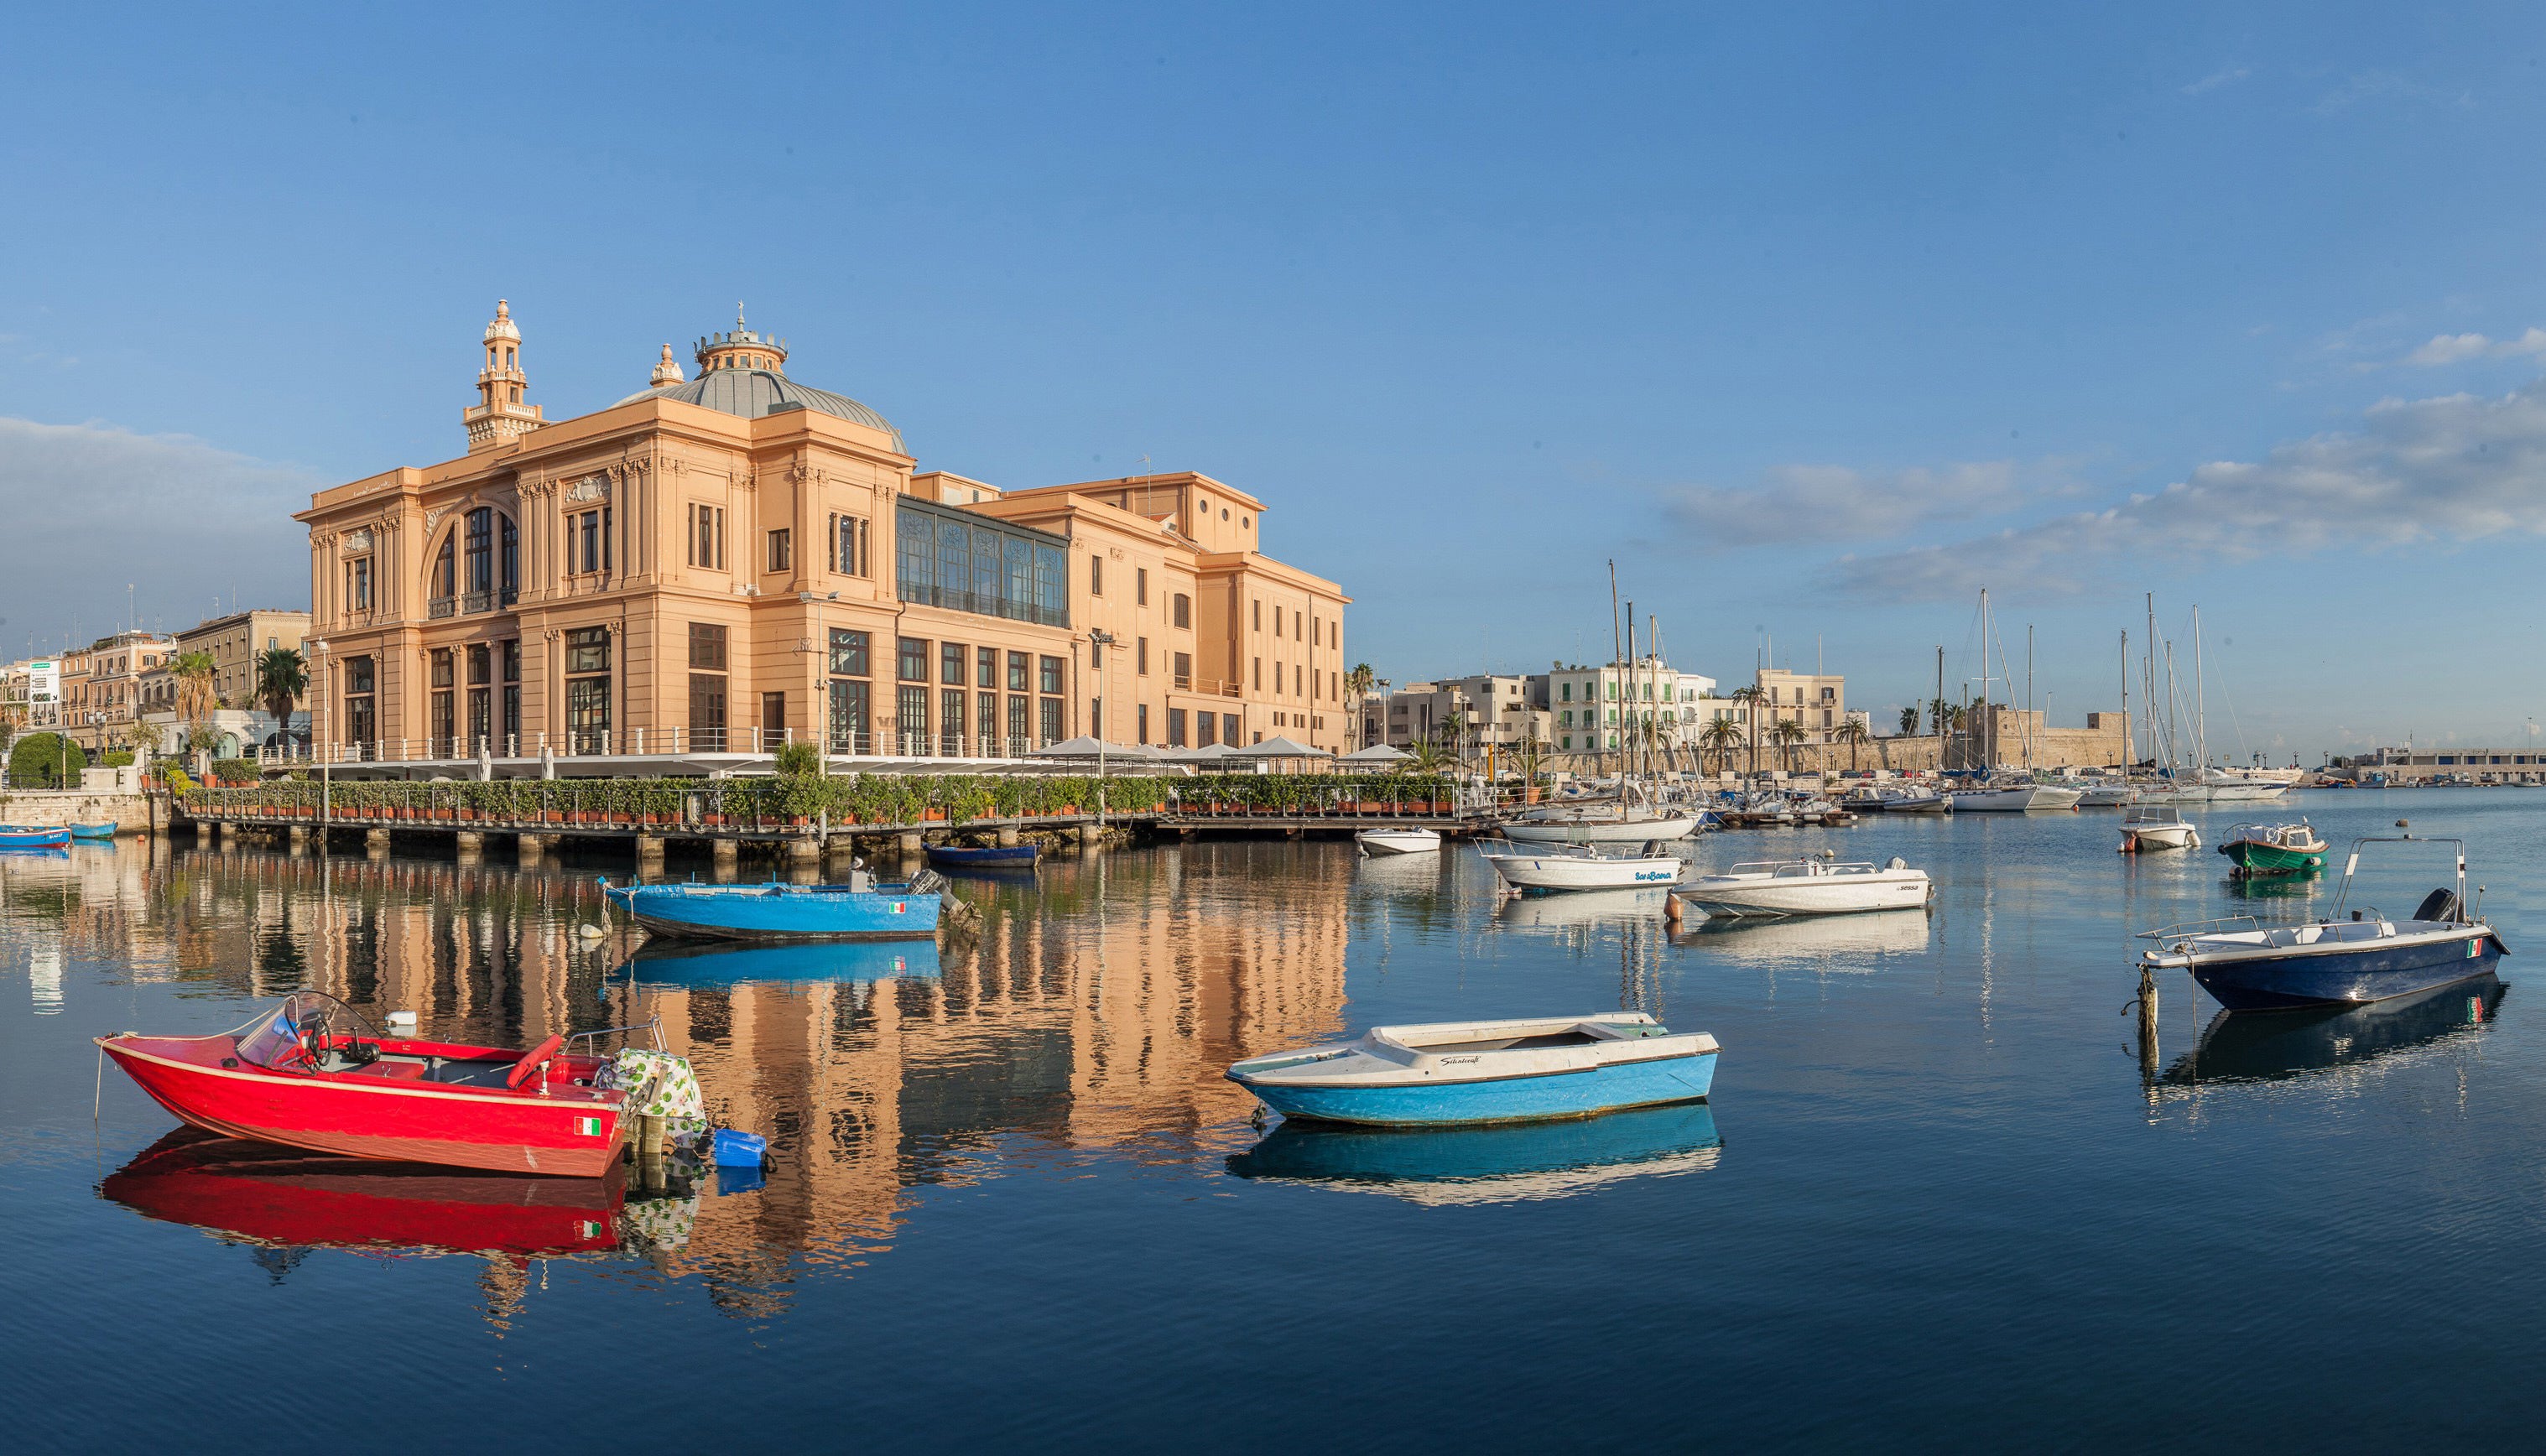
1496, 710
237, 643
2425, 765
1597, 710
102, 687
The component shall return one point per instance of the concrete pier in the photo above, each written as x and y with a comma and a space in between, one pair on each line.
650, 853
728, 856
803, 849
1007, 836
472, 846
299, 839
376, 843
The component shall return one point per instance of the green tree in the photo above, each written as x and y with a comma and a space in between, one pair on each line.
280, 678
1751, 698
1788, 735
1909, 721
46, 761
194, 674
1720, 739
1854, 736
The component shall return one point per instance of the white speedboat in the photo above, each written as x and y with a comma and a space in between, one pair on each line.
1601, 824
1807, 886
2150, 827
2013, 797
1570, 867
2105, 795
1397, 841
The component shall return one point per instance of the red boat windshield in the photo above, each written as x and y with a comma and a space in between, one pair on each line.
281, 1038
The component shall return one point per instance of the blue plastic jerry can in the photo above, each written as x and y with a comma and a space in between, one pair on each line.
739, 1149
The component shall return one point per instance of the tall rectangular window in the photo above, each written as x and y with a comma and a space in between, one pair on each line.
849, 709
587, 688
1184, 669
1228, 729
848, 652
1019, 668
987, 724
1095, 575
1259, 615
781, 549
707, 647
1020, 713
773, 721
913, 665
1183, 610
1175, 727
1141, 723
1051, 674
1141, 585
848, 539
706, 713
950, 718
986, 669
1207, 729
360, 725
912, 715
951, 657
512, 676
707, 535
358, 584
1050, 720
1141, 657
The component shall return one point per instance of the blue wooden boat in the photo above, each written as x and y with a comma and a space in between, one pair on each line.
92, 831
1453, 1072
2250, 966
34, 837
774, 912
993, 857
1440, 1166
708, 963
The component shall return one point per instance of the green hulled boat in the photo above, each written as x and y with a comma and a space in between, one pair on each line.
2274, 849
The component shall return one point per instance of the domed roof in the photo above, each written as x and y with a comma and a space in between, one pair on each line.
754, 392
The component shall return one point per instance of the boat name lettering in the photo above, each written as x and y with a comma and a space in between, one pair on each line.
1458, 1060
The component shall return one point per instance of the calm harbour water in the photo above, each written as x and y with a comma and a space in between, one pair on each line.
1936, 1202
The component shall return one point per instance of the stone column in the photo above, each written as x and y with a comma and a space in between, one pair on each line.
229, 834
649, 854
299, 837
803, 849
472, 844
376, 843
728, 856
1007, 836
203, 834
530, 849
910, 844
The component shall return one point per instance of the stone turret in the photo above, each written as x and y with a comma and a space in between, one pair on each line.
500, 417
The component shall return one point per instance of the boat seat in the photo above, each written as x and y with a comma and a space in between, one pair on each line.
531, 1060
395, 1071
468, 1074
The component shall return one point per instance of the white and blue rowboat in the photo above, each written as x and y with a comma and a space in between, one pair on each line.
2249, 967
775, 912
34, 837
1450, 1074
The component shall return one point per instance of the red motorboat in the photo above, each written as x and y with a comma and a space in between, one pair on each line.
284, 1198
305, 1075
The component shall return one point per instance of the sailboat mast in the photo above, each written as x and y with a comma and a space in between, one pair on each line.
2028, 695
2128, 745
2200, 702
1989, 723
1938, 709
1627, 690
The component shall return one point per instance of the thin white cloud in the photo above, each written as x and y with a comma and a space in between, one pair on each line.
90, 508
2370, 86
2457, 348
2217, 79
2453, 468
1836, 503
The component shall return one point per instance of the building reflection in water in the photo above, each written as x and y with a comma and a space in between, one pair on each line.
1093, 1013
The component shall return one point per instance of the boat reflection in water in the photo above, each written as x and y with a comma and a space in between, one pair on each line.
2277, 1046
1828, 942
709, 962
1580, 907
1487, 1165
281, 1197
2298, 885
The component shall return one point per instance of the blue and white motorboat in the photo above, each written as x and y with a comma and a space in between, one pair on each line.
2250, 966
1448, 1074
984, 857
34, 837
862, 910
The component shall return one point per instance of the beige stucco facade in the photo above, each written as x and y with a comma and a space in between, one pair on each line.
236, 642
731, 561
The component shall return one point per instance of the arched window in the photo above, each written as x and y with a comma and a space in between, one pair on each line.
443, 584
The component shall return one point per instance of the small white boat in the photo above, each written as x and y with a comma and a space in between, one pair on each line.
1397, 841
1570, 867
1916, 800
1807, 886
1450, 1072
2105, 795
2000, 797
2151, 827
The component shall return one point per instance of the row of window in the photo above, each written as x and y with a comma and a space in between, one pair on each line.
1314, 633
948, 559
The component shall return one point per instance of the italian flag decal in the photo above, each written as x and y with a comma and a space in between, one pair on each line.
589, 1126
900, 905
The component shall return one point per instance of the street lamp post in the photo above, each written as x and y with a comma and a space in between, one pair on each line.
1100, 639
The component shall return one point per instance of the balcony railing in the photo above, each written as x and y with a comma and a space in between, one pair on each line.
677, 742
440, 607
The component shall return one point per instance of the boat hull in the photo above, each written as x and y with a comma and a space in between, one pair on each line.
762, 917
992, 857
1809, 896
1581, 1092
379, 1120
35, 838
2258, 858
2139, 837
2374, 972
1583, 871
1996, 800
1397, 841
92, 831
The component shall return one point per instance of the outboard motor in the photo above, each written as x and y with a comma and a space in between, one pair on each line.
2440, 905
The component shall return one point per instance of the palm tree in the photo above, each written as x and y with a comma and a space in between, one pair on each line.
1909, 721
1528, 755
1788, 734
1854, 736
1939, 711
194, 674
1358, 681
280, 678
1750, 695
1721, 738
1425, 756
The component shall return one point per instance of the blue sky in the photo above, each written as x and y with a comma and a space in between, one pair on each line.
1814, 318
